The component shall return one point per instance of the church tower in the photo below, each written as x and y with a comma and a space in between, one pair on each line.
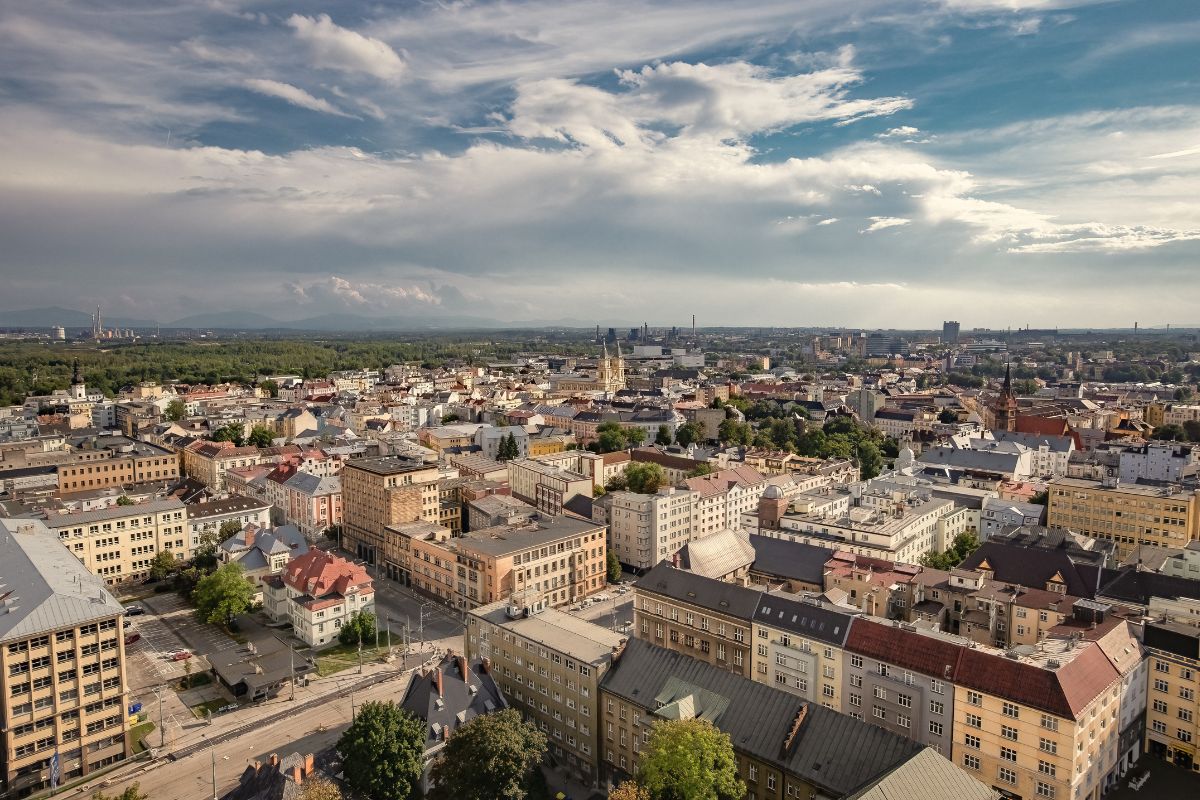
1005, 409
78, 390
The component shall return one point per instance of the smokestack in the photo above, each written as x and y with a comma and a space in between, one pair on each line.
693, 326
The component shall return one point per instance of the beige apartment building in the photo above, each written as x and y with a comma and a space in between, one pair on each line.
549, 665
548, 561
1173, 702
62, 664
1127, 514
208, 462
119, 543
382, 492
544, 486
143, 462
645, 529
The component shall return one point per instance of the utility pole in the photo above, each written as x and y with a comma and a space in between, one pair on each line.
352, 713
162, 731
213, 750
360, 654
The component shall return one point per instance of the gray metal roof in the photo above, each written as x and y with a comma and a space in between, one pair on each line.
927, 776
719, 596
113, 512
832, 751
804, 619
43, 586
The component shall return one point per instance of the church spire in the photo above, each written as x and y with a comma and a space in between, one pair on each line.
1007, 389
76, 378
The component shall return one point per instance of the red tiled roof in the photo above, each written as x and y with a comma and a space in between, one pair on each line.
905, 649
318, 573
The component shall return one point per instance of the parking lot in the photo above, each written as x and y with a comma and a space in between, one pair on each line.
615, 612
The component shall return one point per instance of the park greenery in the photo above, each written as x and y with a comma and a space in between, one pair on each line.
611, 437
382, 752
963, 545
689, 433
491, 757
359, 629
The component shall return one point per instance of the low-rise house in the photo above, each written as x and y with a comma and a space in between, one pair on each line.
263, 551
318, 593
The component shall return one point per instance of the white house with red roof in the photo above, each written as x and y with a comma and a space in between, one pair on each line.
317, 593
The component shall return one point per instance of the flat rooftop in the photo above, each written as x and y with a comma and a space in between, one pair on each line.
387, 465
557, 630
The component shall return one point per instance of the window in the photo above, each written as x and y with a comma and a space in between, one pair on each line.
935, 728
1010, 710
1159, 726
970, 761
974, 698
971, 741
880, 693
856, 680
856, 700
1162, 666
1160, 706
1161, 686
879, 712
1006, 775
1046, 768
905, 700
1008, 754
1047, 746
1049, 723
904, 721
937, 687
974, 720
1008, 732
856, 662
1183, 735
937, 707
753, 773
1044, 790
883, 669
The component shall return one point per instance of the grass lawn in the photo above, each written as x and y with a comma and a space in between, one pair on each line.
210, 706
342, 656
138, 733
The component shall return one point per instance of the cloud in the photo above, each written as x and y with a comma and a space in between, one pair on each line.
337, 48
342, 292
292, 94
883, 223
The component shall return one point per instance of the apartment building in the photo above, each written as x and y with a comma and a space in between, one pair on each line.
798, 647
723, 497
126, 463
382, 492
644, 529
784, 746
119, 543
549, 665
206, 519
318, 593
1173, 707
208, 462
703, 618
545, 486
63, 686
1123, 513
548, 561
314, 503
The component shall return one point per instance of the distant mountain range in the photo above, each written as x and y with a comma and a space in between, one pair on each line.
253, 321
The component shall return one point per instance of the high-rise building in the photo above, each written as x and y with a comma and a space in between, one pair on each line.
378, 492
950, 333
63, 690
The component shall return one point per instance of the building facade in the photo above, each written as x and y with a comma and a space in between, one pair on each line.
119, 543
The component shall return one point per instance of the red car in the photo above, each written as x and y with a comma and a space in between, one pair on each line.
131, 638
180, 655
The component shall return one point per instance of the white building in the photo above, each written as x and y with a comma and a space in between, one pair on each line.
1158, 461
645, 529
998, 514
318, 593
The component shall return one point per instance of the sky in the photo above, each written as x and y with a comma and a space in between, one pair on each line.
877, 163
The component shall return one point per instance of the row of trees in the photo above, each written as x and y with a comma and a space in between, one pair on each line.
234, 432
497, 756
1187, 432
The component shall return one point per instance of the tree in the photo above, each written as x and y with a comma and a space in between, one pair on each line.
133, 792
1183, 393
611, 437
361, 627
616, 483
689, 760
1170, 433
261, 436
1192, 429
645, 477
628, 790
448, 418
223, 595
947, 417
234, 433
614, 567
663, 437
318, 788
175, 410
163, 564
124, 500
1025, 387
634, 436
598, 490
963, 545
382, 752
229, 529
870, 460
1042, 498
732, 432
508, 449
270, 387
488, 758
689, 433
701, 469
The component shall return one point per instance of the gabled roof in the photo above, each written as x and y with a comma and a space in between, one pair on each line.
443, 698
318, 573
786, 559
718, 596
804, 619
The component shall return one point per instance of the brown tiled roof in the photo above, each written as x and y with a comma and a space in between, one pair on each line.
905, 649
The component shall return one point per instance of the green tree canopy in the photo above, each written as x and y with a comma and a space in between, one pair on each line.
133, 792
175, 410
124, 500
689, 433
689, 760
163, 564
382, 752
947, 417
732, 432
645, 477
1170, 433
261, 436
508, 449
963, 545
489, 758
234, 432
634, 436
611, 437
359, 628
223, 595
270, 387
663, 437
614, 567
228, 529
701, 469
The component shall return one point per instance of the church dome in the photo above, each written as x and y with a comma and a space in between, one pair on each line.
773, 492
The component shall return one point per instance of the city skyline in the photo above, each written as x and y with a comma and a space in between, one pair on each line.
863, 164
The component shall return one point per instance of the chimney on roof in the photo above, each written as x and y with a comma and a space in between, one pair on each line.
298, 774
485, 666
437, 679
274, 759
308, 765
251, 530
462, 667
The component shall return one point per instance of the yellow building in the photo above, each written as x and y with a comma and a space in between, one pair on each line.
63, 686
136, 463
1172, 704
1125, 513
381, 492
119, 543
798, 648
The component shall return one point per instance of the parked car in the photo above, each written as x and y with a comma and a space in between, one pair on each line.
127, 623
133, 611
180, 655
131, 638
230, 707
